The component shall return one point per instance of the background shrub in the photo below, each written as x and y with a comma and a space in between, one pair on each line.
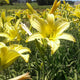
45, 2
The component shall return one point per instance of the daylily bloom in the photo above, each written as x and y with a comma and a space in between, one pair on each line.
18, 13
8, 54
55, 5
30, 8
51, 30
30, 11
64, 1
4, 19
11, 32
77, 13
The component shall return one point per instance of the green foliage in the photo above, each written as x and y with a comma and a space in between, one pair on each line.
63, 65
2, 2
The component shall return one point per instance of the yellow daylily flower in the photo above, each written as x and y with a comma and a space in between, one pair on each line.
51, 30
55, 5
5, 18
8, 54
64, 1
77, 13
77, 6
30, 8
18, 13
11, 32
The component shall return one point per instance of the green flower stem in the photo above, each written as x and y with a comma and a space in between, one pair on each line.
42, 57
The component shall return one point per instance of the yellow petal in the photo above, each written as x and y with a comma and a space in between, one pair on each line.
51, 19
17, 23
34, 36
37, 22
23, 50
64, 1
54, 45
1, 24
9, 18
7, 57
11, 56
35, 25
58, 3
19, 48
3, 16
2, 44
3, 51
62, 27
25, 57
5, 35
67, 37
